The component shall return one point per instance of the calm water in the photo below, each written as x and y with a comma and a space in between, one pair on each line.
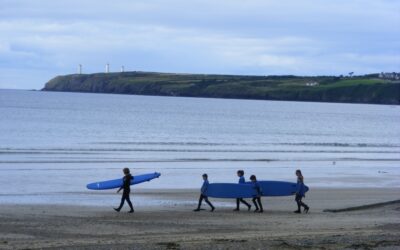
52, 143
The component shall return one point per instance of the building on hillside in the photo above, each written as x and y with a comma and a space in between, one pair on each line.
312, 84
391, 76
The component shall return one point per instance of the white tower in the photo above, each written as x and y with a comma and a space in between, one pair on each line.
80, 69
122, 69
107, 68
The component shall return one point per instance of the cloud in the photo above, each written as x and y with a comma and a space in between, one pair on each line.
43, 39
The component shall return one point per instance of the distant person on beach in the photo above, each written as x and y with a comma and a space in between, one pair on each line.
126, 186
257, 195
203, 196
300, 193
240, 174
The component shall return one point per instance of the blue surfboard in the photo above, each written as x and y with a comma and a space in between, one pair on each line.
233, 190
116, 183
278, 188
229, 190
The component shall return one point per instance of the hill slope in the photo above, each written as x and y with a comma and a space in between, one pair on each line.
361, 89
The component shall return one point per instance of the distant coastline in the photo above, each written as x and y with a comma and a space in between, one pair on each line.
372, 88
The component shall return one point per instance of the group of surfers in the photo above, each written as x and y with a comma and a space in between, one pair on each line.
299, 195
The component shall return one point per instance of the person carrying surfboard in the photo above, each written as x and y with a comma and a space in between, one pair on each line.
126, 186
300, 193
203, 196
240, 174
257, 194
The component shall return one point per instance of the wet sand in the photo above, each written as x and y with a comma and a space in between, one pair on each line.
174, 225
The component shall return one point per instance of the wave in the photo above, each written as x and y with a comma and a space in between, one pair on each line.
96, 151
197, 160
322, 144
336, 144
111, 151
49, 151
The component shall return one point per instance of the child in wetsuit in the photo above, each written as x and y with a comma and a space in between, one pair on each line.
257, 195
300, 193
126, 186
240, 174
203, 196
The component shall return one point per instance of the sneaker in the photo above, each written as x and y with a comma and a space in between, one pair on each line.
196, 210
236, 209
256, 210
306, 209
297, 212
116, 209
261, 211
212, 209
131, 211
248, 208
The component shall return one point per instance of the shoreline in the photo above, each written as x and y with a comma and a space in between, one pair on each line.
172, 226
152, 199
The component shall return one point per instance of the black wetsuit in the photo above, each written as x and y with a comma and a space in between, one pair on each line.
300, 193
126, 186
238, 200
204, 197
257, 197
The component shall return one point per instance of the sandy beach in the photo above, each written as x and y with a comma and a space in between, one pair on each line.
175, 226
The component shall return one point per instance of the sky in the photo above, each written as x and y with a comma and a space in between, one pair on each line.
42, 39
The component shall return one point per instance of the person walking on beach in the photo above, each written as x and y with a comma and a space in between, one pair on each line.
203, 196
126, 186
240, 174
300, 193
257, 194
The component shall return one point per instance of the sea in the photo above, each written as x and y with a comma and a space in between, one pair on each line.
54, 143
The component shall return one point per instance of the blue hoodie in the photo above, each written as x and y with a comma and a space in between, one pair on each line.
242, 180
204, 187
256, 186
300, 188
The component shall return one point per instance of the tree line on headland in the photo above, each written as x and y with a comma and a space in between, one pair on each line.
370, 88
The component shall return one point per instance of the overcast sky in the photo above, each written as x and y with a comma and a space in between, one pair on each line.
42, 39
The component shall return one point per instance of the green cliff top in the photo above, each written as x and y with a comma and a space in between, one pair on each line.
358, 89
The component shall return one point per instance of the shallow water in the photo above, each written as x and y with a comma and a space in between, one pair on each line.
52, 144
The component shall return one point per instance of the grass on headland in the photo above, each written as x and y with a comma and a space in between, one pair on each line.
360, 89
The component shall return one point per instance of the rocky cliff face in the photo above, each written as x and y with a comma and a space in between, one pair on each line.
364, 89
